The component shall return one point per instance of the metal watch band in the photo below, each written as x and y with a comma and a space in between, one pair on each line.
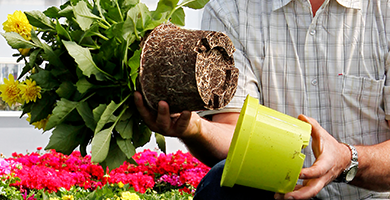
353, 166
354, 152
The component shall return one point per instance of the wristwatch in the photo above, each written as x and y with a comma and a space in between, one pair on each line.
348, 174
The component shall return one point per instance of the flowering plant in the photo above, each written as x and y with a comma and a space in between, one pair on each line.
55, 175
81, 63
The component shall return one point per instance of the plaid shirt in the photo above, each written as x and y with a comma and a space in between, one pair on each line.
331, 67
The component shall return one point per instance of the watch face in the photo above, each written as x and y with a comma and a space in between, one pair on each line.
351, 174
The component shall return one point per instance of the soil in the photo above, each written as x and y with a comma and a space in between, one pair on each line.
189, 69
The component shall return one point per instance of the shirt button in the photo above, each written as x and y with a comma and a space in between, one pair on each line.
314, 82
312, 32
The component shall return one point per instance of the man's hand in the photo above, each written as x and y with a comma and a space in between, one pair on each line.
179, 125
208, 141
332, 158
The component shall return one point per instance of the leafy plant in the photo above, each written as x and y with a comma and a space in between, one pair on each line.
84, 57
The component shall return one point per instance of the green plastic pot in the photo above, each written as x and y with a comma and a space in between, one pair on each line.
265, 151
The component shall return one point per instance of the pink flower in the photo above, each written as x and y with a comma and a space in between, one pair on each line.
5, 167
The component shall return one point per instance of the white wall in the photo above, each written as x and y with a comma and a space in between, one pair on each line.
16, 135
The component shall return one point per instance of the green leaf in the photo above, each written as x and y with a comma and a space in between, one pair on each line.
160, 140
100, 144
178, 17
65, 138
125, 128
84, 16
16, 41
62, 32
93, 31
53, 57
84, 60
42, 107
52, 12
98, 111
66, 12
143, 135
31, 64
134, 63
87, 115
115, 157
154, 23
45, 80
40, 20
164, 8
194, 4
62, 110
126, 146
101, 140
49, 54
112, 10
139, 16
66, 90
83, 85
108, 113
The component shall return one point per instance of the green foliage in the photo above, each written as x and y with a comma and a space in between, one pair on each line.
85, 56
7, 192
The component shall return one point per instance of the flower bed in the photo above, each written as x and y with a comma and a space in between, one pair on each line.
53, 175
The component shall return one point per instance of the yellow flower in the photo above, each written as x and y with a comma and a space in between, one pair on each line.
67, 197
129, 196
24, 52
120, 184
10, 92
18, 23
39, 124
30, 91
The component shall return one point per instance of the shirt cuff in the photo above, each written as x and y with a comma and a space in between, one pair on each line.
213, 112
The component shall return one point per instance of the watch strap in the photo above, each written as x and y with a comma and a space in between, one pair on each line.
354, 164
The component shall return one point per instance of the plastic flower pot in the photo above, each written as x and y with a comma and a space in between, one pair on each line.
265, 151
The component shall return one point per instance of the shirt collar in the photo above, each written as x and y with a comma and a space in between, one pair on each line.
354, 4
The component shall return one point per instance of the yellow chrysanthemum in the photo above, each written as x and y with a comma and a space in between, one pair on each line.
10, 92
30, 91
18, 23
120, 184
40, 124
129, 196
68, 197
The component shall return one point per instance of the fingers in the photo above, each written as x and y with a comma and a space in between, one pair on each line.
163, 121
308, 191
183, 121
143, 111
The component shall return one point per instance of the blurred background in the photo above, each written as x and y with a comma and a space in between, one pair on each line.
16, 135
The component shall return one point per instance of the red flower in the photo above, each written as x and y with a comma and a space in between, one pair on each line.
54, 170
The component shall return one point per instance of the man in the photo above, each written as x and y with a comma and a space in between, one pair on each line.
324, 59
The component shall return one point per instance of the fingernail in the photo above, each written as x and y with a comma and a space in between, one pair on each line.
277, 196
290, 198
